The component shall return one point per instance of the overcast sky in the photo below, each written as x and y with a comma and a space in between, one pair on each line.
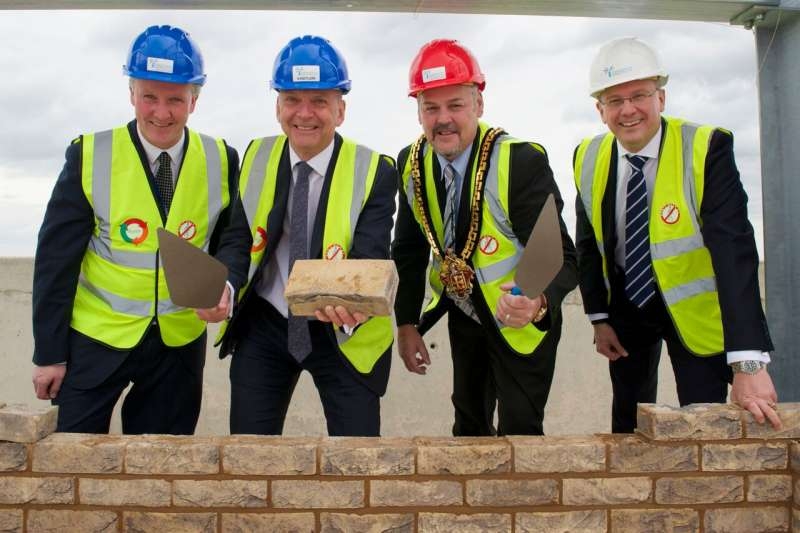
62, 76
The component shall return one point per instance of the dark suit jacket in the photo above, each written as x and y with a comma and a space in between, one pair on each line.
530, 182
727, 234
65, 232
370, 241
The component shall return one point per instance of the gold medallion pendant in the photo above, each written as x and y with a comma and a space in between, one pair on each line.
456, 276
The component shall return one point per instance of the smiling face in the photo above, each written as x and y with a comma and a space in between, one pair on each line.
633, 124
162, 110
449, 116
310, 118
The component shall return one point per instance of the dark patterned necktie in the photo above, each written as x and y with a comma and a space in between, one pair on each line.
449, 175
164, 180
299, 337
639, 282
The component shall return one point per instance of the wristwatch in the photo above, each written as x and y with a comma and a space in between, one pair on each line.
542, 310
747, 367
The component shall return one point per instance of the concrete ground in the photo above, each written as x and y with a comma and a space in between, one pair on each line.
414, 405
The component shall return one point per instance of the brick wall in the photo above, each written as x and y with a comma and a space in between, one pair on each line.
697, 469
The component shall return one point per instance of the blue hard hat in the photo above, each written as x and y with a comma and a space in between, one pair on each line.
309, 62
165, 53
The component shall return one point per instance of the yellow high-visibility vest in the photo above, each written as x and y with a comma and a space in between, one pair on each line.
681, 262
496, 256
122, 288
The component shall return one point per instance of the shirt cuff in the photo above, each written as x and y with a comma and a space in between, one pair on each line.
348, 330
231, 298
597, 316
748, 355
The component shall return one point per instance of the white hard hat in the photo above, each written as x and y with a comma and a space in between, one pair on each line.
623, 60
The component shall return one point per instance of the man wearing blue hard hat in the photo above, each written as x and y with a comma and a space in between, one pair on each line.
309, 193
102, 315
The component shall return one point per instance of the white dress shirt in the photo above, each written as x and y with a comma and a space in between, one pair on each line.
175, 154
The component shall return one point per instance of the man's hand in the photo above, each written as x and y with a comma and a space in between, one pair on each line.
412, 349
607, 343
340, 316
220, 312
47, 380
516, 311
756, 393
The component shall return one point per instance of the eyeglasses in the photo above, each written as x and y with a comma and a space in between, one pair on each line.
637, 99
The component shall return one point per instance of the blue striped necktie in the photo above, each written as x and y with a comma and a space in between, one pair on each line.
449, 175
639, 283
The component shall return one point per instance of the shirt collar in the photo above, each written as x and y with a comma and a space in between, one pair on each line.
319, 163
650, 149
153, 151
459, 163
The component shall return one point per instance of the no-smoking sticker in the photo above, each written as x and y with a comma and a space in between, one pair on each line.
670, 213
187, 230
488, 244
334, 251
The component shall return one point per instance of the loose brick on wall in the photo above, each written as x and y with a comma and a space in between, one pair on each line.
79, 453
367, 457
269, 456
464, 523
558, 454
22, 423
745, 456
632, 455
463, 456
589, 521
366, 523
72, 521
790, 419
748, 520
694, 422
164, 454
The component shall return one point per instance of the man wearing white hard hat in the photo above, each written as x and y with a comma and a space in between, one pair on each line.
666, 251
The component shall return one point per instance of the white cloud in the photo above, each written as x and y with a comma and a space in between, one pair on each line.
63, 76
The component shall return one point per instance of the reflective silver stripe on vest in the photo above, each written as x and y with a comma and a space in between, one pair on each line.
687, 290
587, 176
214, 178
100, 244
499, 269
363, 159
117, 302
255, 182
695, 241
165, 307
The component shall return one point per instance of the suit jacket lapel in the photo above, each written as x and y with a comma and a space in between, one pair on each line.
278, 211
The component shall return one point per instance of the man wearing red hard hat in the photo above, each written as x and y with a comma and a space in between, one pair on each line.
102, 314
665, 249
470, 195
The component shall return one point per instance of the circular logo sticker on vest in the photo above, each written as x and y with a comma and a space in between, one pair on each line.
259, 240
133, 230
670, 213
187, 230
488, 244
334, 251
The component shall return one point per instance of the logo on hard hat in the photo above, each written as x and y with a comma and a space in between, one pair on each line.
157, 64
133, 230
305, 73
612, 72
433, 74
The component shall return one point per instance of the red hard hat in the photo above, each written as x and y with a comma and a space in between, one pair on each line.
443, 62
